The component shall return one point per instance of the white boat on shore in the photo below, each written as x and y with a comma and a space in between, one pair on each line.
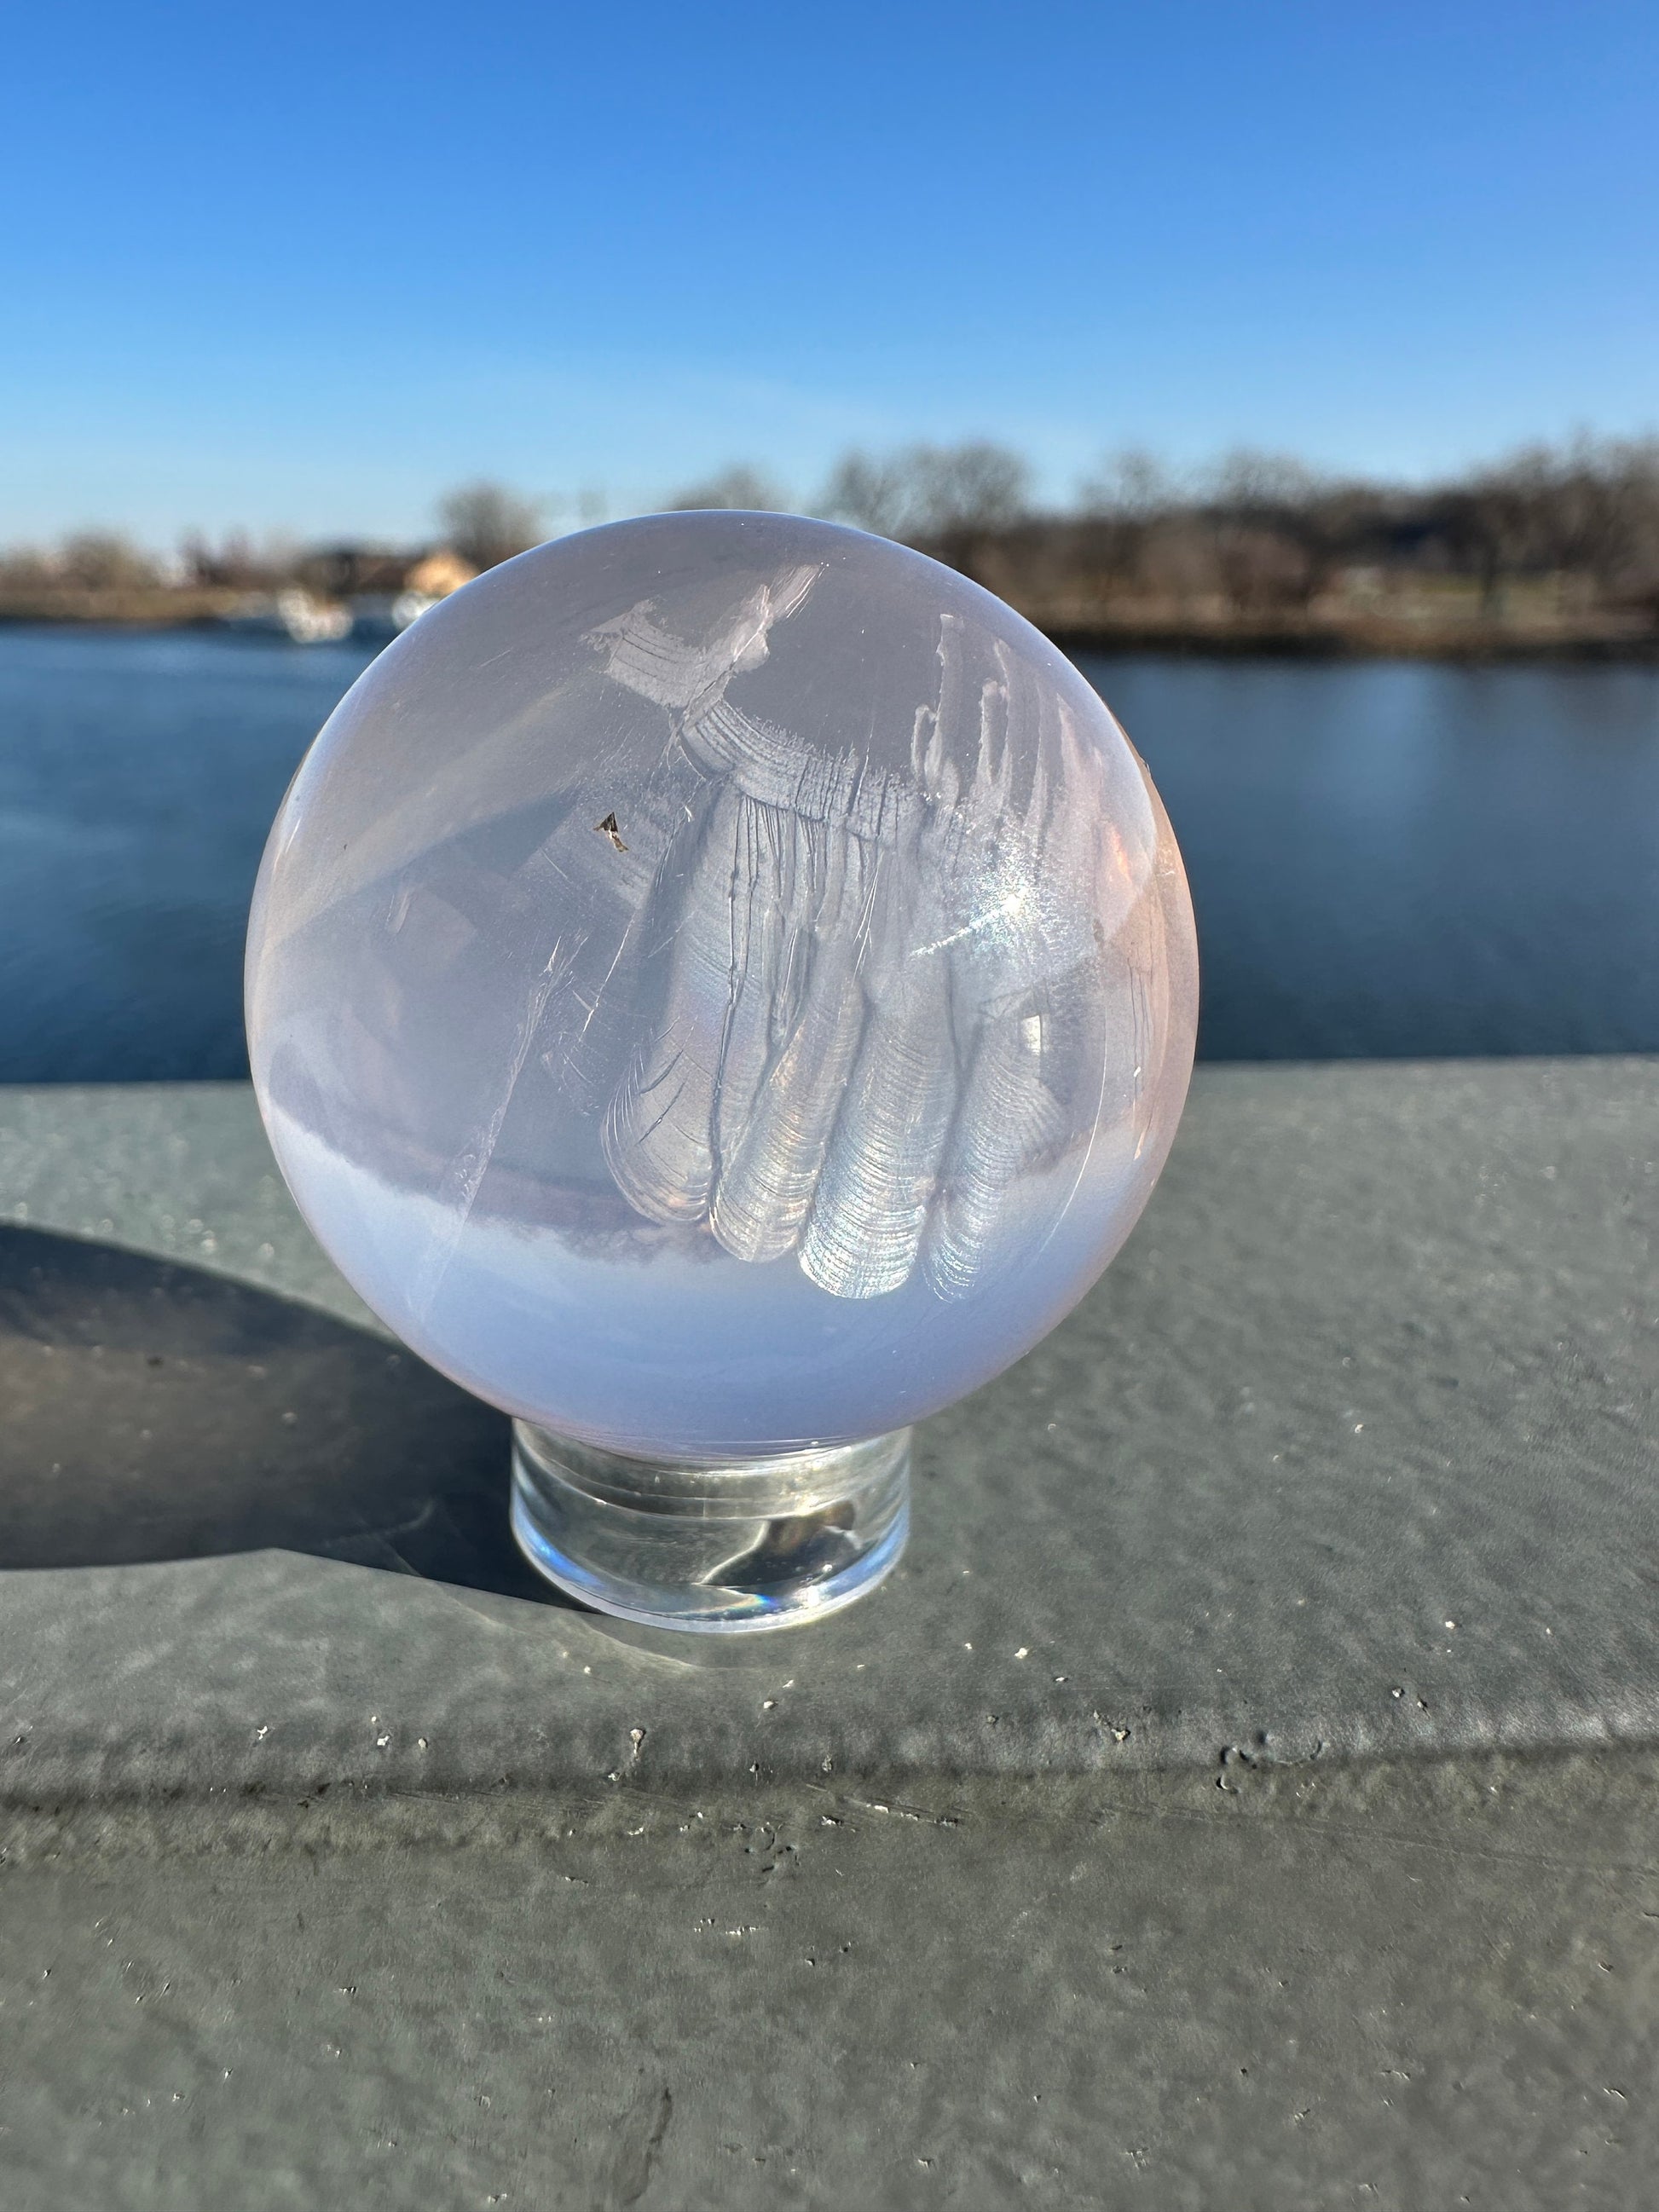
379, 617
292, 614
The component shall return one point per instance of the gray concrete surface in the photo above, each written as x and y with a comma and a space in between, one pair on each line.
1084, 1865
1414, 1984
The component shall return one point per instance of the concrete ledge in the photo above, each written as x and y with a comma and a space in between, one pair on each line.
1351, 1453
339, 1865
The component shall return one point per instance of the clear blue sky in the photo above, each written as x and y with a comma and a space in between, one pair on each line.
302, 267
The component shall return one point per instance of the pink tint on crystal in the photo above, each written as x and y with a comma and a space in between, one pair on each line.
721, 983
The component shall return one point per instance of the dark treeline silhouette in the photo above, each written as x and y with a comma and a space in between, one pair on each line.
1558, 541
1553, 543
1552, 546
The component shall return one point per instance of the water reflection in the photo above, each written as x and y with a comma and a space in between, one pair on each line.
1404, 860
1396, 859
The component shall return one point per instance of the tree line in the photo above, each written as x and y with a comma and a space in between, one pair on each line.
1258, 534
1254, 536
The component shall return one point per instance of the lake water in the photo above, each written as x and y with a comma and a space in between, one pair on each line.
1391, 858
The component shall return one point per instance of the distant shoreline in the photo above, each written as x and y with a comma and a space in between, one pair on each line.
1365, 642
125, 608
202, 613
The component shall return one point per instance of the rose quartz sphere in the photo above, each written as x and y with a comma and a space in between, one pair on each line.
721, 983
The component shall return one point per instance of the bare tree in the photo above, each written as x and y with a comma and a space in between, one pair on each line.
487, 524
1490, 523
1261, 486
1126, 511
25, 567
237, 562
1258, 533
736, 486
926, 494
1175, 559
873, 493
100, 560
1262, 507
1131, 485
1263, 571
1597, 504
972, 487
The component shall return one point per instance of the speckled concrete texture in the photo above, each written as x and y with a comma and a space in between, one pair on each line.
1403, 1984
1352, 1452
339, 1862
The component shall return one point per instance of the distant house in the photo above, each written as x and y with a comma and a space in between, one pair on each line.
439, 573
387, 591
293, 614
345, 571
368, 592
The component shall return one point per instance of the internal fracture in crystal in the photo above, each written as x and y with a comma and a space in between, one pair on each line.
721, 981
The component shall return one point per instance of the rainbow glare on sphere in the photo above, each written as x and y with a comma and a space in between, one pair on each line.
721, 983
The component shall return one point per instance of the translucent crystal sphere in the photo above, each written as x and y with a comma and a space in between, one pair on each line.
720, 984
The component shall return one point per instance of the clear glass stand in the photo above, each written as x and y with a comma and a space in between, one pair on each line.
751, 1544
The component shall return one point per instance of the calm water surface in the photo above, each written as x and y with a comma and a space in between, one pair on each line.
1386, 858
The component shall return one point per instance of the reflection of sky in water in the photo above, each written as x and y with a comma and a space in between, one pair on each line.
1407, 859
1479, 872
138, 775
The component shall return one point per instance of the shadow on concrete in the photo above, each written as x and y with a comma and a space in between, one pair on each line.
150, 1410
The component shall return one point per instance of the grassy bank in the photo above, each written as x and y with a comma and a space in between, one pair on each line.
124, 607
1360, 639
1326, 633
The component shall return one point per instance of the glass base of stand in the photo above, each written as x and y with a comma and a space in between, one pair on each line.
752, 1544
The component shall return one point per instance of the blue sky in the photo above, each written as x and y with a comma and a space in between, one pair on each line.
301, 268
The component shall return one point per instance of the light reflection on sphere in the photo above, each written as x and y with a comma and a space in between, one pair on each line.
721, 982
